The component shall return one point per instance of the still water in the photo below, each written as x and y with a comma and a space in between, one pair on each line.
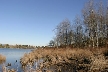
13, 56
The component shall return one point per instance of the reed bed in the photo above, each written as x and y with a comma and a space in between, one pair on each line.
6, 69
2, 58
67, 59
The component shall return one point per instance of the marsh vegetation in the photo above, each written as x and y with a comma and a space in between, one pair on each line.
80, 46
11, 59
67, 59
2, 59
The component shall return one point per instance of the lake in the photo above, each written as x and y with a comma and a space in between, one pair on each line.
13, 56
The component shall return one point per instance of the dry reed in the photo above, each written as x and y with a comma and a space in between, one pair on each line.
62, 58
2, 58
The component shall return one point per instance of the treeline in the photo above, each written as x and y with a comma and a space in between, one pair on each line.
88, 30
17, 46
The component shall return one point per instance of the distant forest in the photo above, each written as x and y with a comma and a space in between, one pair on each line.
16, 46
90, 29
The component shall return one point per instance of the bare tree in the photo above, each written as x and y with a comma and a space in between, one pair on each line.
63, 30
96, 20
51, 43
100, 34
106, 22
90, 19
78, 31
91, 30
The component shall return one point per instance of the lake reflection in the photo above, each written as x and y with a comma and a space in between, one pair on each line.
13, 56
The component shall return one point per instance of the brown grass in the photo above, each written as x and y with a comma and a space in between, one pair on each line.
67, 58
2, 58
5, 69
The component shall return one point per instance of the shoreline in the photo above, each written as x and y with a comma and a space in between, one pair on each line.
69, 58
18, 48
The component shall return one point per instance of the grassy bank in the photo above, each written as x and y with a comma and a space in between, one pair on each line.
2, 58
67, 59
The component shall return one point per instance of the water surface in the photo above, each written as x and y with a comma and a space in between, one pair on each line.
13, 56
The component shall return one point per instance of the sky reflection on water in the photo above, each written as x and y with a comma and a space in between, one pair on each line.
12, 55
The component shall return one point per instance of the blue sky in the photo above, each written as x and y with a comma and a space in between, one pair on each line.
32, 21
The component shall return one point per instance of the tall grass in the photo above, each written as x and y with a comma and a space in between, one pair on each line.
6, 69
2, 58
63, 59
